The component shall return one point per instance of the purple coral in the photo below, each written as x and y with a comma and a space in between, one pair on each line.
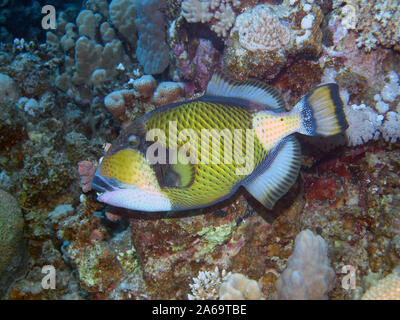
206, 61
196, 72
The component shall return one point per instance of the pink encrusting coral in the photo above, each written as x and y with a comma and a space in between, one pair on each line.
86, 170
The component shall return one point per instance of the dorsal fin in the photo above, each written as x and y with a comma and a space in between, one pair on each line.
250, 90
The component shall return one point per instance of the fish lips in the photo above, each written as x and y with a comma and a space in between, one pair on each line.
133, 198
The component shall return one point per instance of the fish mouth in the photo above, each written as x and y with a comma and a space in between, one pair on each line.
102, 184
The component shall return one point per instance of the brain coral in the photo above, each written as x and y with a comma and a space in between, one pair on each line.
261, 30
264, 37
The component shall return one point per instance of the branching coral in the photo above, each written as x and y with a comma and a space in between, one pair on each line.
219, 13
364, 123
377, 22
205, 286
93, 44
374, 121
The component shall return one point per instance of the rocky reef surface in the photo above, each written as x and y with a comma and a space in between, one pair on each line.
66, 93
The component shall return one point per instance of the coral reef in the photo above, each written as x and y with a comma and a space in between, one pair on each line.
12, 247
262, 39
66, 93
367, 202
219, 13
386, 289
152, 50
205, 285
196, 70
377, 23
168, 92
238, 287
308, 275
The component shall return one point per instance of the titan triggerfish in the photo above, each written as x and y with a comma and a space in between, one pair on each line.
195, 153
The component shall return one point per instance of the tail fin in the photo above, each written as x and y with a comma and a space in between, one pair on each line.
321, 112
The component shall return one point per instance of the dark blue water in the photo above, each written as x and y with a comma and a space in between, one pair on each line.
22, 18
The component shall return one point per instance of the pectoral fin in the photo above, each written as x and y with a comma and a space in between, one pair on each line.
279, 174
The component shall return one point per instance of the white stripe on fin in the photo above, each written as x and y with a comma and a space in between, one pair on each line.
250, 90
279, 175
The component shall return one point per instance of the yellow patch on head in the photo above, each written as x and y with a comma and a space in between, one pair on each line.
129, 166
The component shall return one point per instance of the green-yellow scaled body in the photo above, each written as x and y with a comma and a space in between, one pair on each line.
196, 153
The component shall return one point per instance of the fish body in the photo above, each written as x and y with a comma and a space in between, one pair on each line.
196, 153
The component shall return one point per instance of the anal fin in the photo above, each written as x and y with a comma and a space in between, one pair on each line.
279, 174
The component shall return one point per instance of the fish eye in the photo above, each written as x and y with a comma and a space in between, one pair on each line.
133, 141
